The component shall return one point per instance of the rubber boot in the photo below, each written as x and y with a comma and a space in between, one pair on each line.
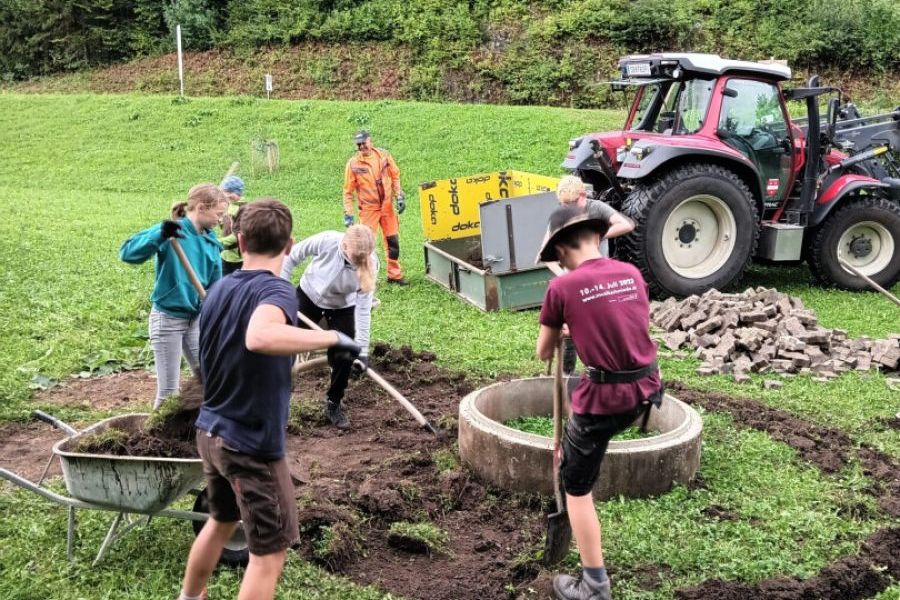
335, 414
583, 587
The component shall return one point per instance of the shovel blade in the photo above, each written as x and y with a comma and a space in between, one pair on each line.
559, 538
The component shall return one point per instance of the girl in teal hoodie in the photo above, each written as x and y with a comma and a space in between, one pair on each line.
174, 316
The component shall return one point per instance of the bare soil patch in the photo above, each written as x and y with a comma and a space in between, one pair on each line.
128, 389
25, 449
352, 486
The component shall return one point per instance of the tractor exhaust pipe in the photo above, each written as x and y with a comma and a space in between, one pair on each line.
813, 143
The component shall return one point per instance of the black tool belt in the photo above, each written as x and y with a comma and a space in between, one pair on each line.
601, 376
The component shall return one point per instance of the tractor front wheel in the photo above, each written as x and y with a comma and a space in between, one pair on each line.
696, 228
865, 233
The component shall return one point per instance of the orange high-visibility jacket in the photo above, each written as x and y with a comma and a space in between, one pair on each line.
374, 178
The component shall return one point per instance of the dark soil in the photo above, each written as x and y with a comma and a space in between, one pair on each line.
110, 392
139, 443
891, 422
828, 449
383, 470
474, 258
849, 578
719, 513
167, 433
25, 449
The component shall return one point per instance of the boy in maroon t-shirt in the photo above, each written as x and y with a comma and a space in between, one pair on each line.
605, 304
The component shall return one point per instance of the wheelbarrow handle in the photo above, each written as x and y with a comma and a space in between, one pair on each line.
42, 416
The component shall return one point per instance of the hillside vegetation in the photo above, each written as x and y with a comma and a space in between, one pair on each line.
511, 51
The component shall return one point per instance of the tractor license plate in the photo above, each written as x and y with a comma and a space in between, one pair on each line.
638, 69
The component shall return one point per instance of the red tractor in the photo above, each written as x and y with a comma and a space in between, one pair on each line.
715, 172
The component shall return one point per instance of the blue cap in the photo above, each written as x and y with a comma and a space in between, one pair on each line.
233, 184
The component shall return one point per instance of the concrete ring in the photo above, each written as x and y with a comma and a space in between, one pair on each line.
523, 462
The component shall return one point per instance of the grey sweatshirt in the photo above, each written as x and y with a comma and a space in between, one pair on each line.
331, 281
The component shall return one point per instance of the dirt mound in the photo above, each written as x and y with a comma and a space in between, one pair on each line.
848, 578
387, 471
169, 432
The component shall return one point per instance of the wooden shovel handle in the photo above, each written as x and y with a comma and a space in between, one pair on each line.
182, 257
391, 390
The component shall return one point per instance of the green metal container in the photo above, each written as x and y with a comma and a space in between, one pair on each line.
446, 264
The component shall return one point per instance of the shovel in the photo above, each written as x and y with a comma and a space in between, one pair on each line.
559, 531
391, 390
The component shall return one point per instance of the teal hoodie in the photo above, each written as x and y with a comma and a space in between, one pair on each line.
173, 293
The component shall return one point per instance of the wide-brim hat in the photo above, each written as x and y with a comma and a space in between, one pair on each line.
564, 219
361, 136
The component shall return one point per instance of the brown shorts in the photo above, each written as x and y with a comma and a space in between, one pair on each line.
257, 492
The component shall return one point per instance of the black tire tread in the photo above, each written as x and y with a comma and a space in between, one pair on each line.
816, 256
640, 203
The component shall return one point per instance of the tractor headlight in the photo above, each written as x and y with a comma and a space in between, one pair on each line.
574, 143
641, 152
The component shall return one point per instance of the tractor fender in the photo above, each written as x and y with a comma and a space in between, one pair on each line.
666, 155
581, 158
839, 189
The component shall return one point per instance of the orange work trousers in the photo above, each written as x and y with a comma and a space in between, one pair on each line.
383, 215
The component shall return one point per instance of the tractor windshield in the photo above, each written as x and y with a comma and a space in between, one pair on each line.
673, 107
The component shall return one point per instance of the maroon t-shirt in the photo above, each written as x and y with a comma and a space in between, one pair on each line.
606, 305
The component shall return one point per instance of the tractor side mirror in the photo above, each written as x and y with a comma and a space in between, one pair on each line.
729, 92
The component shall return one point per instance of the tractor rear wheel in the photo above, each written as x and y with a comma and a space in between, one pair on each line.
866, 234
696, 228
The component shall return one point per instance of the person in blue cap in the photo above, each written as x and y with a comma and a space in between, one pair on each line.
233, 186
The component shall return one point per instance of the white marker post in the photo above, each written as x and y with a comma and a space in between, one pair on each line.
268, 85
180, 60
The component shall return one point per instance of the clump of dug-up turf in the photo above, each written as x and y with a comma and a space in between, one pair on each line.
167, 433
329, 536
418, 538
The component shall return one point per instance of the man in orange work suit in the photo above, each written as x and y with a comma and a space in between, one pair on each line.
374, 176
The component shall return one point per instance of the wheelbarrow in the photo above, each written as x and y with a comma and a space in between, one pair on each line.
135, 488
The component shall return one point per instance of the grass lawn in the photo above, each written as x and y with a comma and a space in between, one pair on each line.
79, 174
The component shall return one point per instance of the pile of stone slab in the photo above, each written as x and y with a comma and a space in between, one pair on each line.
765, 331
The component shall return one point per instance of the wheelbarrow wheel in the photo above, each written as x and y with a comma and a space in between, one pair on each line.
235, 553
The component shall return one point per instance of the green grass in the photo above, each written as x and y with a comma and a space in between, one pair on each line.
79, 174
423, 533
785, 518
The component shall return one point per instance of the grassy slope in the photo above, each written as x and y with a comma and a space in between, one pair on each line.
78, 174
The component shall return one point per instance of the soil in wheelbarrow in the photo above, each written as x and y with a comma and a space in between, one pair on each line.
387, 503
168, 432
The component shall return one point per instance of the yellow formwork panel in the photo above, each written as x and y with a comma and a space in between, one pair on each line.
449, 207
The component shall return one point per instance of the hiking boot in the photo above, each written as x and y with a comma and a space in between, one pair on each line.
336, 415
401, 282
583, 587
